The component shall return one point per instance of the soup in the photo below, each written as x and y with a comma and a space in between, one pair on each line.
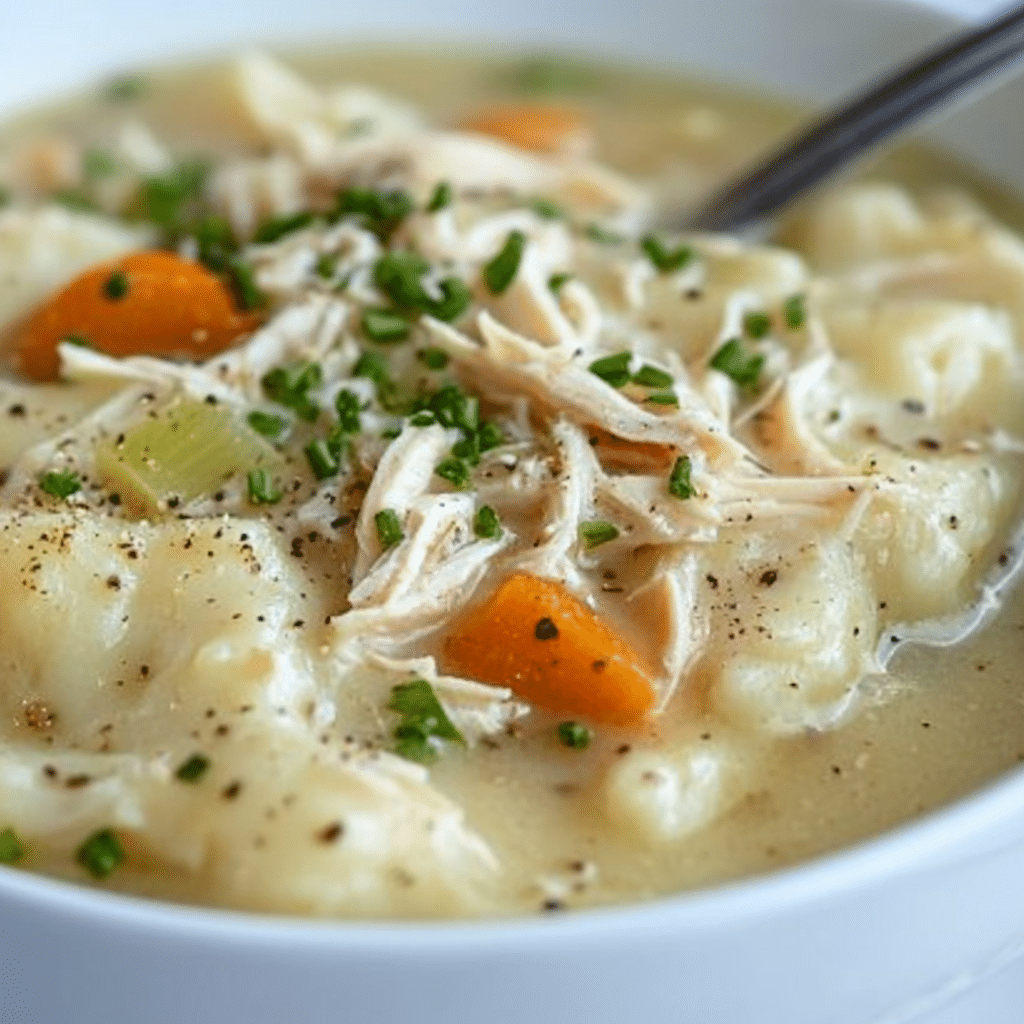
424, 534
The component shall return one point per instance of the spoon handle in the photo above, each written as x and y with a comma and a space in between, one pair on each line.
845, 133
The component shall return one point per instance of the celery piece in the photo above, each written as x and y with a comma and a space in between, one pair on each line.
185, 450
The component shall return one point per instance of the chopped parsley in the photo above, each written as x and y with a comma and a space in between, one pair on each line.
101, 853
433, 358
486, 524
389, 528
267, 424
423, 721
11, 848
651, 377
734, 362
794, 310
322, 460
275, 228
613, 370
193, 769
384, 326
574, 735
261, 488
501, 271
597, 532
290, 386
664, 259
116, 287
441, 198
757, 325
60, 483
679, 483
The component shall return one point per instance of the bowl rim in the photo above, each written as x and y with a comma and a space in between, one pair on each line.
923, 843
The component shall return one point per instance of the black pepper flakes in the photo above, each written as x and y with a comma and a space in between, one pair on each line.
545, 630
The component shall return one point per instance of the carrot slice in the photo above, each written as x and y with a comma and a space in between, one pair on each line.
538, 127
146, 303
537, 638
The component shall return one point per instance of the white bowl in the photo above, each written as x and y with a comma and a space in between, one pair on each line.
886, 932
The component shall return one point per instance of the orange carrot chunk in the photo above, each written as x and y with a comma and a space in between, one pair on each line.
537, 127
146, 303
535, 637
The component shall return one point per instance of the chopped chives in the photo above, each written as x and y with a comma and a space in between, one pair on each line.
75, 339
384, 326
663, 398
597, 233
275, 228
651, 377
75, 200
433, 358
574, 735
679, 483
98, 163
326, 265
422, 718
289, 385
347, 406
485, 524
489, 436
261, 488
454, 470
441, 198
423, 419
454, 301
547, 209
101, 853
664, 259
247, 292
556, 282
321, 459
11, 848
794, 310
382, 212
757, 325
500, 272
389, 528
116, 287
128, 87
744, 369
597, 532
613, 370
193, 769
266, 423
60, 483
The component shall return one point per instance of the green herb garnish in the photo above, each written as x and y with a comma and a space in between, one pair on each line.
546, 209
60, 483
441, 198
266, 423
548, 75
454, 470
663, 398
101, 853
454, 301
98, 163
423, 719
128, 87
275, 228
500, 272
382, 212
170, 200
423, 419
242, 279
193, 769
433, 358
75, 199
11, 848
664, 259
651, 377
757, 325
679, 483
485, 524
598, 233
389, 528
613, 370
597, 532
261, 488
75, 339
734, 362
556, 282
347, 406
489, 436
326, 265
794, 310
116, 287
290, 386
574, 735
322, 460
384, 326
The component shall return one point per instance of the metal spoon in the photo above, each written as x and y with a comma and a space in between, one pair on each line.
846, 132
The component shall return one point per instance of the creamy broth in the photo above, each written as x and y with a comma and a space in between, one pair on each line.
939, 724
